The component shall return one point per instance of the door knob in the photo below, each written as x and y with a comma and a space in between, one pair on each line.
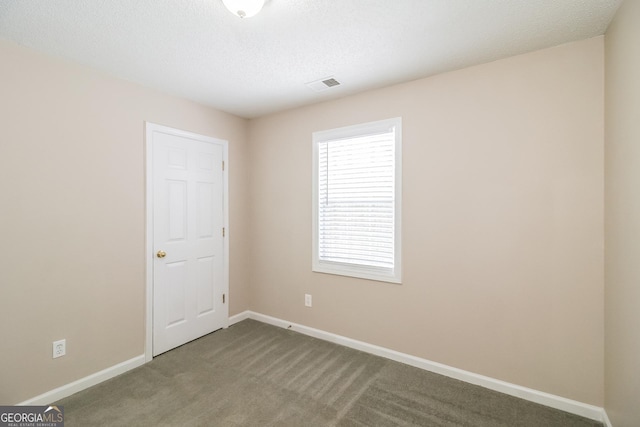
161, 254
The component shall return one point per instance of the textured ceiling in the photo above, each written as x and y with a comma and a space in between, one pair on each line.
198, 50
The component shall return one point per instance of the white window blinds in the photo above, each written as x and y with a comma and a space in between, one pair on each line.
356, 191
356, 200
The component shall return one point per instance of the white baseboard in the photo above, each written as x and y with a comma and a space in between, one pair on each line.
574, 407
238, 317
547, 399
83, 383
98, 377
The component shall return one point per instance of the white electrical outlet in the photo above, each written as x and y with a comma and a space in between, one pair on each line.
307, 300
59, 348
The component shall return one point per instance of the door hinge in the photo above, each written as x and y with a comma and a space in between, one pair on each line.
222, 231
223, 165
223, 298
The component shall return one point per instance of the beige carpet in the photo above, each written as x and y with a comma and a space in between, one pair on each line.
254, 374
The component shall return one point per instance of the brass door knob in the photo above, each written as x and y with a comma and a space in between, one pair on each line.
161, 254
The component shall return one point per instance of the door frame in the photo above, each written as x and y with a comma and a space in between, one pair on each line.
150, 128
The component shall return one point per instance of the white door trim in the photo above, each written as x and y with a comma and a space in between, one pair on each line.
149, 129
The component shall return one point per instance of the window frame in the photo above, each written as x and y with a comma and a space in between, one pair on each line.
353, 270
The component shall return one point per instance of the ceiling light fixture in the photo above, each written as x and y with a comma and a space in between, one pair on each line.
244, 8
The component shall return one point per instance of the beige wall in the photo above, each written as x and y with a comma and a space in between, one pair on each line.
622, 302
72, 216
502, 215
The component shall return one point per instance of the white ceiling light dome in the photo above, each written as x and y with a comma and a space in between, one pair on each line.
244, 8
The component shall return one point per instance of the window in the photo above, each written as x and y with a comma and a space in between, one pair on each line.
357, 192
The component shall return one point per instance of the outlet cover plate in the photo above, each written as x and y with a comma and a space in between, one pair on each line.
59, 348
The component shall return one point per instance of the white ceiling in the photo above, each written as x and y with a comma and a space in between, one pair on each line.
198, 50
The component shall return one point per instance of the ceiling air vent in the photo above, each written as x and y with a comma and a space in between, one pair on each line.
323, 84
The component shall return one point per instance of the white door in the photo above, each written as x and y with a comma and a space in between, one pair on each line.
189, 278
